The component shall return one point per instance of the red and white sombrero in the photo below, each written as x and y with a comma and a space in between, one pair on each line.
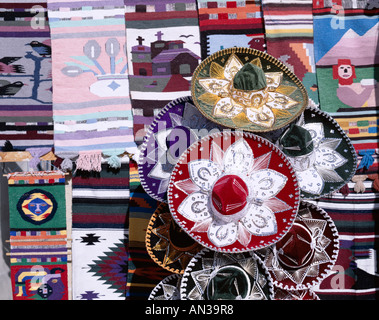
307, 253
234, 192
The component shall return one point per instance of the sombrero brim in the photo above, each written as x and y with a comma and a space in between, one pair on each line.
257, 285
307, 294
167, 289
302, 263
283, 100
166, 244
154, 163
335, 158
271, 211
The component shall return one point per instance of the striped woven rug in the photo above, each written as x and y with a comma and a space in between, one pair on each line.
289, 38
101, 200
225, 24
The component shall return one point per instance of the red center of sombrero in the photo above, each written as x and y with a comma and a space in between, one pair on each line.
296, 247
229, 195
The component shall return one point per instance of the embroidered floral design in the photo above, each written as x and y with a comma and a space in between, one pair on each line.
220, 276
251, 212
306, 254
320, 166
167, 289
167, 244
259, 107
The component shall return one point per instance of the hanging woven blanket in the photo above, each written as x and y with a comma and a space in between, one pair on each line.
346, 56
289, 38
225, 24
91, 104
100, 264
101, 200
25, 76
100, 221
347, 70
163, 49
38, 236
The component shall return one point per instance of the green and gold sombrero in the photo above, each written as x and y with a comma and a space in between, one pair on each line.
247, 89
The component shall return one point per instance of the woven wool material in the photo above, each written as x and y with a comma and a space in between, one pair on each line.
38, 204
346, 60
90, 67
93, 124
100, 263
163, 49
354, 218
350, 53
101, 200
25, 75
38, 236
225, 24
289, 38
100, 220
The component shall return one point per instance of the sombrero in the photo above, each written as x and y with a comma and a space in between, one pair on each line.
167, 289
307, 294
322, 155
307, 253
177, 125
212, 275
234, 192
167, 244
247, 89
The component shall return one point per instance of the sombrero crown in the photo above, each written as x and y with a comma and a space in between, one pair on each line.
233, 192
296, 141
321, 153
247, 89
250, 77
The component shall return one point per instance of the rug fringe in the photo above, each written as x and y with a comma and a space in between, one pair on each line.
89, 161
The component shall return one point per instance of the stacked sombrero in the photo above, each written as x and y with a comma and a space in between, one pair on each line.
233, 165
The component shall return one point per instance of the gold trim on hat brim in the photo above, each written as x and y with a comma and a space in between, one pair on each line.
290, 86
